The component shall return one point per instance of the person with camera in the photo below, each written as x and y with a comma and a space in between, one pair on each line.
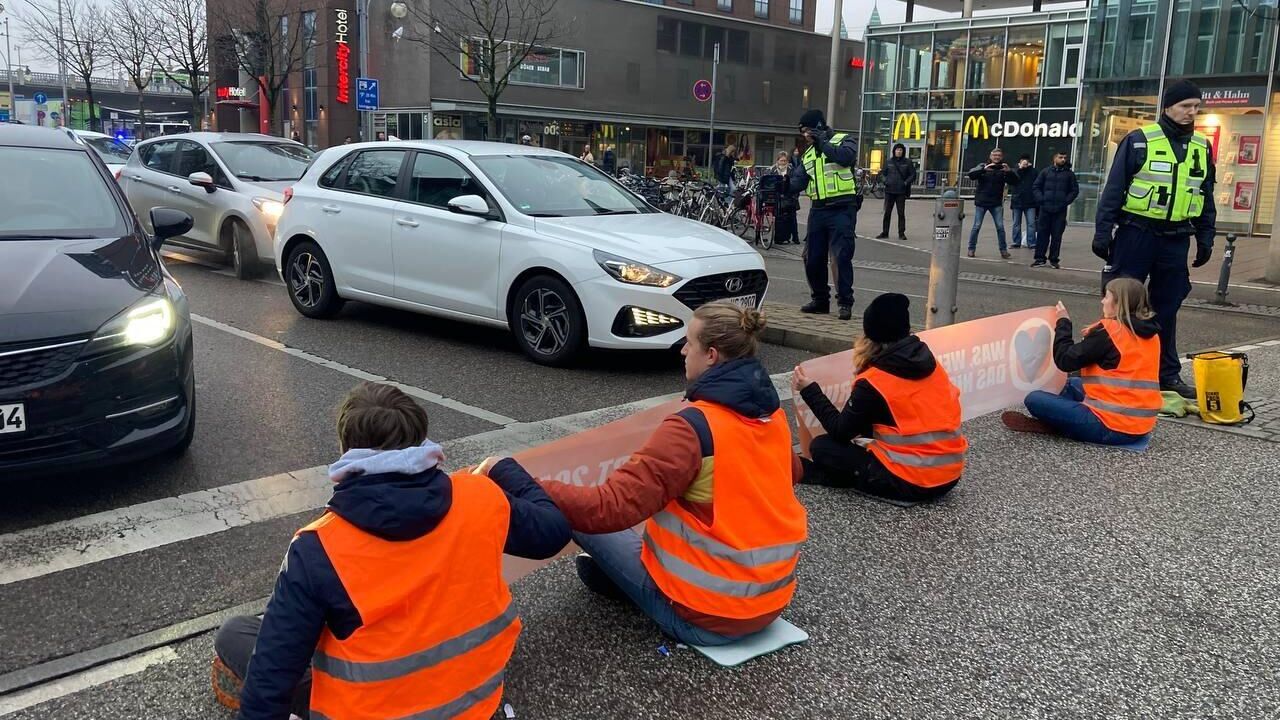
1022, 203
990, 180
826, 175
899, 175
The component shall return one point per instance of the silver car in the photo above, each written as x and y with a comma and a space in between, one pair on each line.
231, 184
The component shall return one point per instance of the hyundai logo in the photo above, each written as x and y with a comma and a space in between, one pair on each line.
733, 284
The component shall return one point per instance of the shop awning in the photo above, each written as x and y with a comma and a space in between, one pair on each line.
241, 104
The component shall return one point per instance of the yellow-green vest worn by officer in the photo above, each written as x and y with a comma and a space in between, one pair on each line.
826, 179
1165, 189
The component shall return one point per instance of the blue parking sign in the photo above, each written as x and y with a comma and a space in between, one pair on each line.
366, 94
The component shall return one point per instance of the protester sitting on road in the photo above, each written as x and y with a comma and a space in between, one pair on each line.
1117, 396
716, 558
899, 436
399, 582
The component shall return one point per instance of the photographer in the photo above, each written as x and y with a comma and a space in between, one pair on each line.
988, 198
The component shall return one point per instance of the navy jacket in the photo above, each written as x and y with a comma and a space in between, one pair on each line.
989, 189
1023, 196
309, 596
899, 175
1056, 188
1131, 154
846, 154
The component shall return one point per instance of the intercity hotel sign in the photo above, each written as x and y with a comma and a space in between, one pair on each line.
907, 127
342, 53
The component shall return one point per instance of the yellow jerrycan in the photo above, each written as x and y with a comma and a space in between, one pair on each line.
1220, 382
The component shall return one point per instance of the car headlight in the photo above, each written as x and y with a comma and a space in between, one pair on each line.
634, 273
273, 209
147, 323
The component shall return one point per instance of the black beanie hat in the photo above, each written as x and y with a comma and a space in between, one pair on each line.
1177, 91
887, 319
813, 119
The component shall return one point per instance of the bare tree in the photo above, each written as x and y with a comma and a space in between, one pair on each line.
183, 49
132, 45
485, 40
83, 50
262, 39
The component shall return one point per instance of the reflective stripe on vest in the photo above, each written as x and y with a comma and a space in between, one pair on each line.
1163, 188
743, 564
925, 447
827, 180
1127, 398
422, 652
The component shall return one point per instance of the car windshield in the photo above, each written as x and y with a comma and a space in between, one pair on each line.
264, 161
37, 183
552, 186
111, 150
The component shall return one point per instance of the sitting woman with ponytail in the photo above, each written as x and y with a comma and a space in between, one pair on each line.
898, 437
712, 488
1117, 396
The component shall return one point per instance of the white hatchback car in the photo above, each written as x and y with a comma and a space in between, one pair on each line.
504, 235
112, 151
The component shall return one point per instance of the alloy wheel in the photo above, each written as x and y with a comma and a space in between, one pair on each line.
306, 279
544, 321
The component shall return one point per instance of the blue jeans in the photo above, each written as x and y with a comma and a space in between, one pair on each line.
1030, 215
618, 555
997, 216
1067, 414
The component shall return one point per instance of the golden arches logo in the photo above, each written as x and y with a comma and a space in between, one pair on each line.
975, 126
907, 126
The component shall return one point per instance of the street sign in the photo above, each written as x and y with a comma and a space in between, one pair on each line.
4, 116
54, 115
702, 90
41, 98
366, 94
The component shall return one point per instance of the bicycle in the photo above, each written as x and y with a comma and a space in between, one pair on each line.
870, 184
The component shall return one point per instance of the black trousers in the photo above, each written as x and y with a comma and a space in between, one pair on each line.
1049, 227
890, 202
234, 645
786, 229
848, 465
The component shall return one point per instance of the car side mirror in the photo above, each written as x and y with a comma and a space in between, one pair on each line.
202, 179
470, 205
169, 223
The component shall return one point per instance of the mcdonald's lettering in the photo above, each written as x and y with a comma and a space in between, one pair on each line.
977, 126
907, 126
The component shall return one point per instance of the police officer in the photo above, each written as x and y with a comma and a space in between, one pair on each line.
1160, 194
826, 175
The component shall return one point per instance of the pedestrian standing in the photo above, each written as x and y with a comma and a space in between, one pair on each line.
526, 140
1055, 189
723, 166
826, 175
1159, 193
988, 198
899, 175
1022, 202
785, 224
586, 155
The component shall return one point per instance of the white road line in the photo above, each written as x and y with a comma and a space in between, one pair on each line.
1269, 343
81, 541
427, 395
93, 677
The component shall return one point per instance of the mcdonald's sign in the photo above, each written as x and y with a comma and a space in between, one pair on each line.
907, 126
975, 126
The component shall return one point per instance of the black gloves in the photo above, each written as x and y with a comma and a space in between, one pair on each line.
1102, 246
1203, 253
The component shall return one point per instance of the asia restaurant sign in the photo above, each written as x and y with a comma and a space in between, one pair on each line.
1255, 96
342, 53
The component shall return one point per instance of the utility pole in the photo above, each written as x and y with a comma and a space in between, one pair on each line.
711, 138
8, 68
62, 67
835, 62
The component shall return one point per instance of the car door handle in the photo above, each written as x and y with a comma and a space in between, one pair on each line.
407, 222
136, 177
331, 209
175, 189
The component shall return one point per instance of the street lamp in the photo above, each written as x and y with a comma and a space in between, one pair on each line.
8, 67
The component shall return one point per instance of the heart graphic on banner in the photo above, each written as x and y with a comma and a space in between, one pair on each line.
1032, 347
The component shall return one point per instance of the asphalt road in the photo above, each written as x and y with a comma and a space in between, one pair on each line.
265, 409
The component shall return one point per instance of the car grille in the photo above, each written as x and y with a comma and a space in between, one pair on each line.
33, 362
700, 291
40, 448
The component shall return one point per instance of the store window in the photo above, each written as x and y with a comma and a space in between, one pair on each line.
941, 164
795, 13
550, 67
1025, 57
1064, 56
1128, 38
986, 59
916, 61
950, 52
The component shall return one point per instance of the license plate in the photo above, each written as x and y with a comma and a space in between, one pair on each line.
746, 301
13, 419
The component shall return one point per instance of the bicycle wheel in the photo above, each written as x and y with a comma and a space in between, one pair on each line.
738, 223
878, 190
768, 229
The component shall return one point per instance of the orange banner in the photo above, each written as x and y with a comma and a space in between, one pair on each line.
994, 361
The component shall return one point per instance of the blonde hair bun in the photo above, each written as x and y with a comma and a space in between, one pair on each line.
753, 322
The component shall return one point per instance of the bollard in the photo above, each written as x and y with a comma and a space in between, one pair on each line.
944, 267
1224, 275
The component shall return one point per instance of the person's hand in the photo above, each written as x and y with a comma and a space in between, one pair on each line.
799, 379
484, 467
1062, 311
1203, 253
1102, 246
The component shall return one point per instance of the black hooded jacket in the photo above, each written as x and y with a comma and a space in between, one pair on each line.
1095, 348
908, 358
899, 173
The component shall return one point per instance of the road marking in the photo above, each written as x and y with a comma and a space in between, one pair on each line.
88, 539
427, 395
24, 699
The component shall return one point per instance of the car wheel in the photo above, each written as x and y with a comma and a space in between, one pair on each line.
243, 252
310, 282
547, 321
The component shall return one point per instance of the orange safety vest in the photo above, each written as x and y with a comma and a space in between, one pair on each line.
924, 447
742, 565
438, 623
1126, 399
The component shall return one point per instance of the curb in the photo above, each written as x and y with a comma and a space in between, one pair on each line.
802, 340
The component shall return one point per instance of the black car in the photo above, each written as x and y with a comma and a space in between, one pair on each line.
95, 336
